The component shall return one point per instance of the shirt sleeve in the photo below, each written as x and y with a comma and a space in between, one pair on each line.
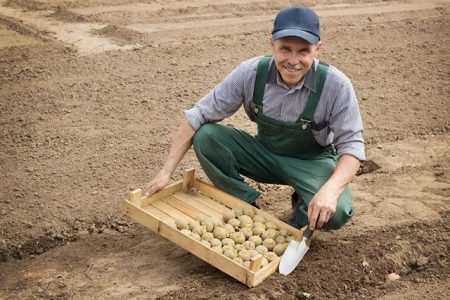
346, 123
224, 100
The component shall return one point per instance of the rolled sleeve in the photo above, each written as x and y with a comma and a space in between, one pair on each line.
346, 123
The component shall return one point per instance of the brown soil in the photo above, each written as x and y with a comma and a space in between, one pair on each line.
92, 91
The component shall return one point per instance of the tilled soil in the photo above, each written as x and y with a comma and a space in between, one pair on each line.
92, 91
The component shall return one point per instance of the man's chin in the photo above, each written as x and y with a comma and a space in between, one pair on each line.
291, 80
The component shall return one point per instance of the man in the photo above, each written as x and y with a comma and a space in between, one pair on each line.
309, 127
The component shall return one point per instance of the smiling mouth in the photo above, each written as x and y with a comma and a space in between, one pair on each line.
293, 68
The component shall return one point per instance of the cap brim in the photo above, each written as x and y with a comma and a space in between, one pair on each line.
309, 37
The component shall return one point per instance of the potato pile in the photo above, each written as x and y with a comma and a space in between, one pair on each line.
241, 236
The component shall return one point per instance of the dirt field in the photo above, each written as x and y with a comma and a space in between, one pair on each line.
92, 91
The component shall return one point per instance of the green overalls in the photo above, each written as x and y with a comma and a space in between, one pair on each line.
281, 153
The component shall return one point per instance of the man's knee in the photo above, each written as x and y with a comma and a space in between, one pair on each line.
204, 134
344, 211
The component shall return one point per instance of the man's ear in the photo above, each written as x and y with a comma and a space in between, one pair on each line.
271, 42
318, 46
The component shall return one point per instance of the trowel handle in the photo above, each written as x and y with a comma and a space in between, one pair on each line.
308, 233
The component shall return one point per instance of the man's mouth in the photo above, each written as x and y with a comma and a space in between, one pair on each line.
293, 68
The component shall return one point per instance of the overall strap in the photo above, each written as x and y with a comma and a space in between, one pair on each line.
260, 82
313, 99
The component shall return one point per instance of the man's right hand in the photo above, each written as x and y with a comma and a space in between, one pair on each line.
159, 182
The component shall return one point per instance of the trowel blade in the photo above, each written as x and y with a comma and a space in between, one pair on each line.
292, 256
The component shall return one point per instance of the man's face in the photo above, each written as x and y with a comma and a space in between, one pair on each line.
293, 57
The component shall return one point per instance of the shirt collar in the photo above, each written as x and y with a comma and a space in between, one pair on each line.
308, 81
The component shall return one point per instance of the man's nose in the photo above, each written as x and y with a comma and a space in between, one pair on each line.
293, 59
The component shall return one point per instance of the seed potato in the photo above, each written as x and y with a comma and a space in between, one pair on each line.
228, 215
215, 242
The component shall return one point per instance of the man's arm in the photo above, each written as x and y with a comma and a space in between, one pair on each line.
323, 205
181, 143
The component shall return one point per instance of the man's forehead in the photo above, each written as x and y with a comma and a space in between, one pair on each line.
293, 40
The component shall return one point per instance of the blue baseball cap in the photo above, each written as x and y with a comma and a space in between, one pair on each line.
297, 21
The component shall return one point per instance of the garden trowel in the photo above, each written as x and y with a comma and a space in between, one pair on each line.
295, 252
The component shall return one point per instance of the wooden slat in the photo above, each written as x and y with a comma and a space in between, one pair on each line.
198, 205
144, 218
170, 189
182, 206
153, 211
217, 194
170, 210
219, 207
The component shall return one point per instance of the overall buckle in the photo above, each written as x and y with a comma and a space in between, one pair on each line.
304, 123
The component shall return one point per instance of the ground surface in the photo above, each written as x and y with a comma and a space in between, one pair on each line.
92, 91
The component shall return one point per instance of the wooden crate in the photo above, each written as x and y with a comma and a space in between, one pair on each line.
186, 199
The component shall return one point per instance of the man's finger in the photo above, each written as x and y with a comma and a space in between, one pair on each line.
313, 219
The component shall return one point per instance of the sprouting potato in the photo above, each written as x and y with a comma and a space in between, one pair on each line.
249, 245
258, 229
209, 225
238, 211
206, 243
246, 221
215, 242
181, 223
228, 241
199, 230
192, 224
269, 243
228, 215
255, 240
279, 249
235, 223
290, 238
283, 232
220, 233
230, 253
244, 255
237, 237
270, 256
269, 233
229, 228
262, 249
280, 239
196, 237
252, 253
207, 236
259, 218
248, 211
247, 232
228, 247
238, 260
239, 247
270, 225
259, 224
201, 218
